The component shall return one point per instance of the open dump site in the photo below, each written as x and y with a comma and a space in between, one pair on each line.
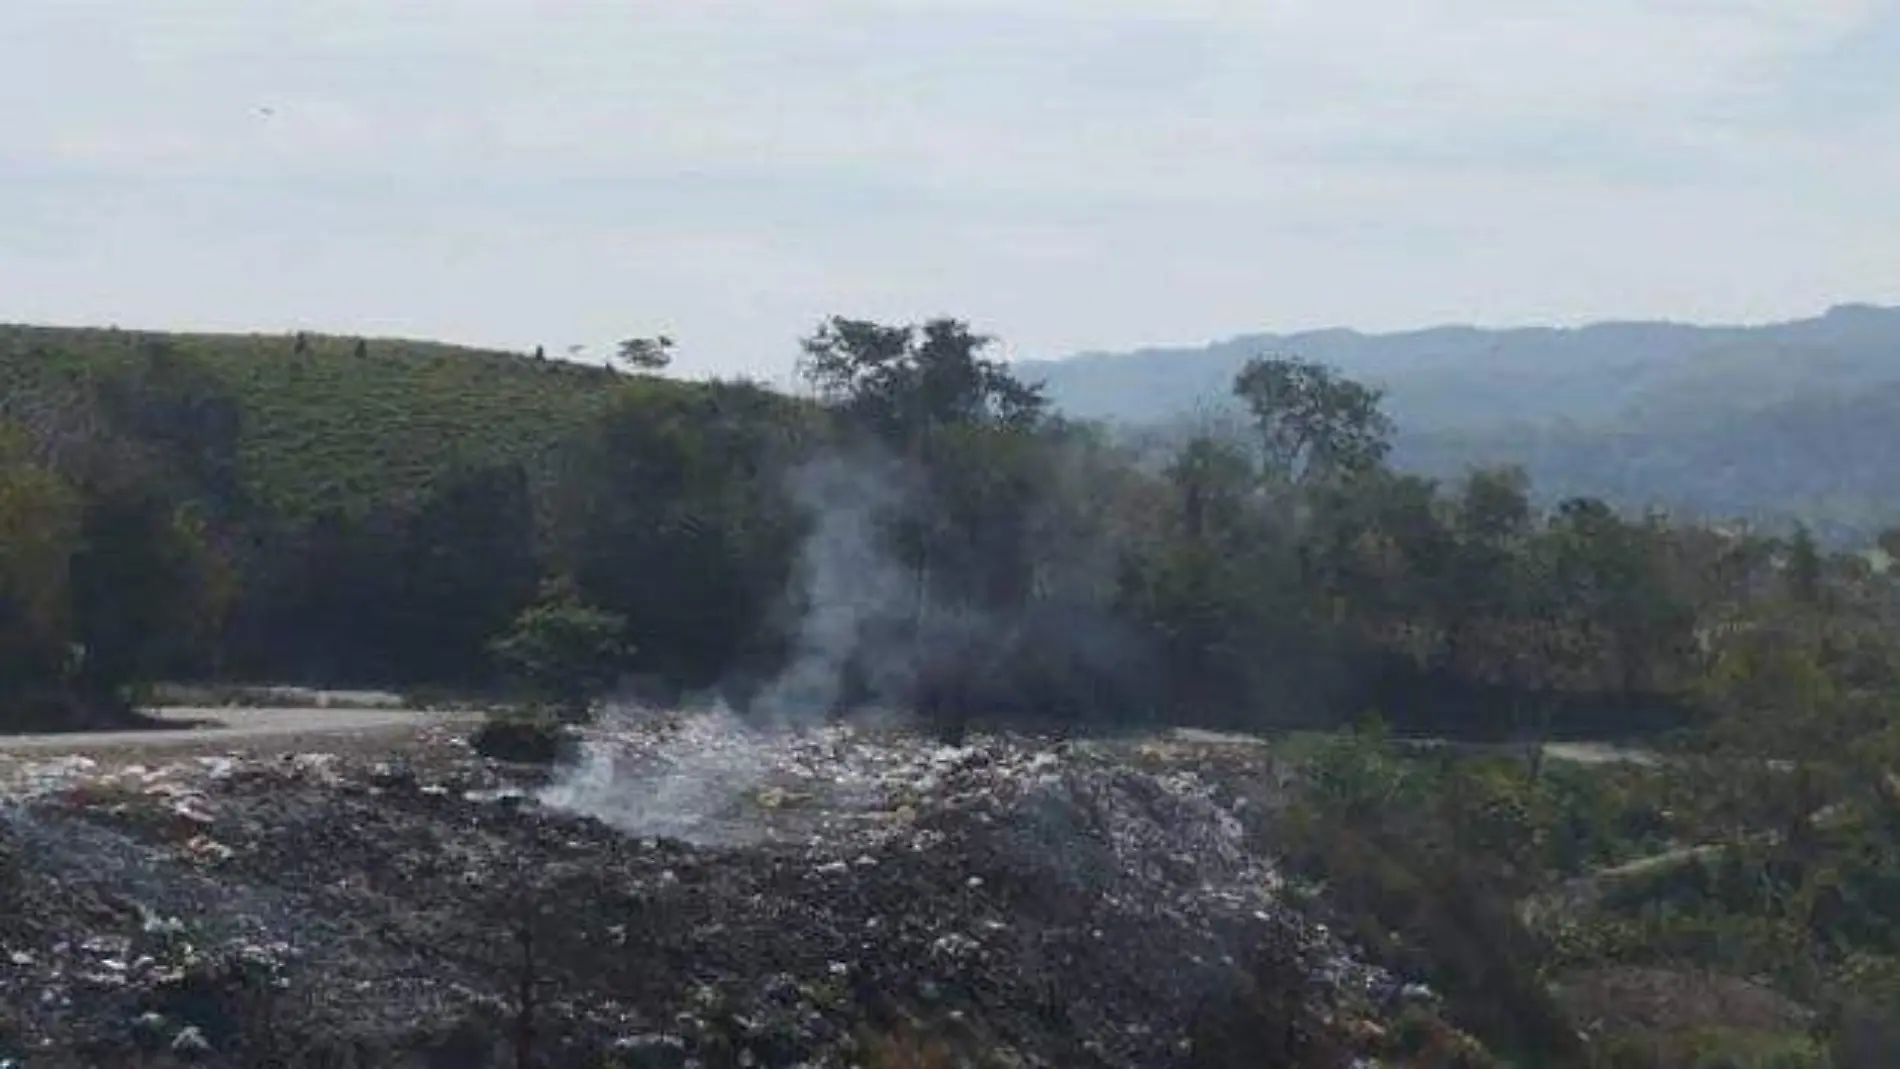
688, 892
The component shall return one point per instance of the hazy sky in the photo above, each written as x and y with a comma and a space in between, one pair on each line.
1066, 173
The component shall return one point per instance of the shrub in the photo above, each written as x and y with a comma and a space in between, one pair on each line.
566, 652
524, 739
1389, 844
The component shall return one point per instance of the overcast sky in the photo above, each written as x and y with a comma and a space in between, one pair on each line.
1068, 174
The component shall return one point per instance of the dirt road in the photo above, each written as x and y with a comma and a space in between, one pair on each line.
218, 730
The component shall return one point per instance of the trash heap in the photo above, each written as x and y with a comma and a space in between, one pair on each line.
691, 893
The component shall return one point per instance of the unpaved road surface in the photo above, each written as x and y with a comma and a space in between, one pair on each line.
217, 730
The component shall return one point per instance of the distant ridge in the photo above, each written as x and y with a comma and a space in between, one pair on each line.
1774, 421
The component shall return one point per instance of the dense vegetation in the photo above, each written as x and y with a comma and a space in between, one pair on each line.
926, 533
326, 511
1777, 423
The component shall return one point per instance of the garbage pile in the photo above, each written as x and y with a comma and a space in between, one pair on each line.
691, 893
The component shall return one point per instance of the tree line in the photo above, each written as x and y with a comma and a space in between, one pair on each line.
1276, 572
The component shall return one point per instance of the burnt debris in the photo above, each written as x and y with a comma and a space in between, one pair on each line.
689, 893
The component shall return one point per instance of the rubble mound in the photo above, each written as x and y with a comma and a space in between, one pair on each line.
689, 892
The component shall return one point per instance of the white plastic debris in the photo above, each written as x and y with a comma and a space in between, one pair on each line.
190, 1040
205, 848
185, 810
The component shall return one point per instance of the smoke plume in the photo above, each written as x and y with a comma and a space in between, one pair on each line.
850, 592
862, 645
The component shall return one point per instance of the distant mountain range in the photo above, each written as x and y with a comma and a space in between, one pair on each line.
1797, 420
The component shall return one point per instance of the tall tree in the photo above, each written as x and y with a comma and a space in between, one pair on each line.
466, 567
967, 427
39, 534
962, 419
178, 423
149, 592
1611, 574
1214, 480
1314, 424
1489, 588
1805, 569
902, 381
670, 513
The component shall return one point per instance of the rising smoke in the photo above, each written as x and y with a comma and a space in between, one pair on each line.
851, 599
854, 597
862, 645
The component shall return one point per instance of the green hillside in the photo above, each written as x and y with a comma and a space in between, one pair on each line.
374, 511
322, 425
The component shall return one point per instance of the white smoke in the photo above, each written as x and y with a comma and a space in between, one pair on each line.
683, 780
689, 778
850, 590
859, 635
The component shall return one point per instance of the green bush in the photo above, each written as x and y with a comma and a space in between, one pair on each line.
1425, 911
1718, 1049
1750, 1050
565, 652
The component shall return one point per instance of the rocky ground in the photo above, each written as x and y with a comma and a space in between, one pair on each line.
688, 893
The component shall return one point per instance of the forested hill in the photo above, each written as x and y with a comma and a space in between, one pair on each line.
921, 532
1790, 420
330, 508
319, 421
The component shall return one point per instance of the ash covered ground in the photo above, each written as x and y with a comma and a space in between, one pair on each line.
688, 892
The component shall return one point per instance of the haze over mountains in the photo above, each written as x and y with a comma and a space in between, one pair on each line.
1796, 420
